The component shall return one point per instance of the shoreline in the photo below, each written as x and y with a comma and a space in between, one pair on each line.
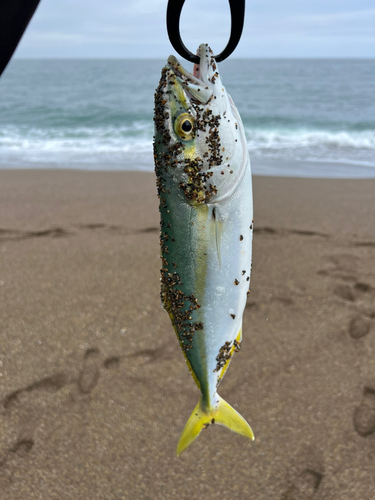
269, 168
308, 169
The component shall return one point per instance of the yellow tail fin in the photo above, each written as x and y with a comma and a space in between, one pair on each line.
201, 418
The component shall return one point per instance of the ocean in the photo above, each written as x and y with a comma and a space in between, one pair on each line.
309, 118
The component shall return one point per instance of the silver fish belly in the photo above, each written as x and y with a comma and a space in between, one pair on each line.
204, 186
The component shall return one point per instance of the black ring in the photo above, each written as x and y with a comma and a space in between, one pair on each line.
237, 10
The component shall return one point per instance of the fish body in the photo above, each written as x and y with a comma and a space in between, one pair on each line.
204, 186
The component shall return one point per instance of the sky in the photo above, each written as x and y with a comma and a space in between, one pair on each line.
137, 28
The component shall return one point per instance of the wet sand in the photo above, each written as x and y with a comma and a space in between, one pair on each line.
94, 391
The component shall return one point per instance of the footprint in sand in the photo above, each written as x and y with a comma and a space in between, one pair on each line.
364, 414
359, 292
111, 363
344, 292
360, 326
89, 375
28, 411
20, 449
363, 291
341, 267
51, 384
305, 486
306, 475
87, 379
20, 399
362, 287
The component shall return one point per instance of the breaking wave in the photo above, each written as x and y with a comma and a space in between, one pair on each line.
130, 146
314, 145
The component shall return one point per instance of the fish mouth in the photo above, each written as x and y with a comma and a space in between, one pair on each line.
199, 86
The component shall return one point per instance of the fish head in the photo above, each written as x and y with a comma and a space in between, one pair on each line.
199, 138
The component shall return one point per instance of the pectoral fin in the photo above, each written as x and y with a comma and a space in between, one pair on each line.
218, 235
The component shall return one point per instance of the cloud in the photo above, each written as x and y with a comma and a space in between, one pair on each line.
137, 28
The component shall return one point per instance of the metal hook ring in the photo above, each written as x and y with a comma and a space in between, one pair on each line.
237, 9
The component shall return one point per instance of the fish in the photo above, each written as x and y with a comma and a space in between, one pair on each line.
204, 185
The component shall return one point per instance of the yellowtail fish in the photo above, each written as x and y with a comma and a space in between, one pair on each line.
204, 186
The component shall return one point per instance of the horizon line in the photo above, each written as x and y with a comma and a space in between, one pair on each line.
162, 58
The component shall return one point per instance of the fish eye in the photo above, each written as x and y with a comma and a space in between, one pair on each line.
183, 126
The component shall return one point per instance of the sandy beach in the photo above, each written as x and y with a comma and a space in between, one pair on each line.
94, 390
